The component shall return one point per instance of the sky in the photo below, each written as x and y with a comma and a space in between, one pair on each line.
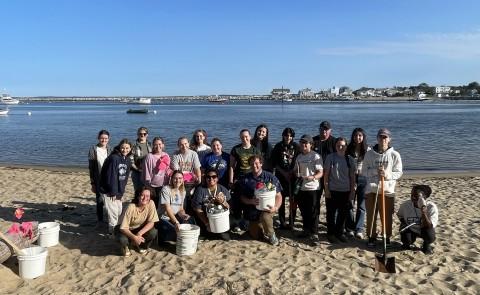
193, 47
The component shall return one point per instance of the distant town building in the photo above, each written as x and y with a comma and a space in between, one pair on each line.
280, 93
306, 93
334, 91
441, 91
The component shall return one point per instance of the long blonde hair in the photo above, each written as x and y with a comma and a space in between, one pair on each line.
173, 189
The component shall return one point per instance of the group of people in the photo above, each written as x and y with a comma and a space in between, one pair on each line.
176, 189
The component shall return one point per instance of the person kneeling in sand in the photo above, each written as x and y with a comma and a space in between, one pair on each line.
418, 218
261, 221
209, 195
137, 226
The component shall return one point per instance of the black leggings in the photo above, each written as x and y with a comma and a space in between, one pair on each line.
307, 203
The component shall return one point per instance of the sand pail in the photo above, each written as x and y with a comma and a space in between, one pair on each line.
219, 222
48, 234
31, 262
266, 198
187, 239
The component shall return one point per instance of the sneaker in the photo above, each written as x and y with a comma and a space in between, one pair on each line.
126, 251
371, 242
143, 251
350, 234
427, 249
332, 239
304, 235
315, 239
225, 236
274, 240
359, 235
342, 238
237, 229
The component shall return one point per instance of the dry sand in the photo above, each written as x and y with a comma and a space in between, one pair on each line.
86, 262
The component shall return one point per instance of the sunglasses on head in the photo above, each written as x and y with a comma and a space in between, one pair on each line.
211, 176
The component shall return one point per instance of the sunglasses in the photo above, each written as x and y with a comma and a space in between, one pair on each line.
211, 177
142, 134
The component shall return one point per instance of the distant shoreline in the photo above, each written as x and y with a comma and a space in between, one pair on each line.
407, 173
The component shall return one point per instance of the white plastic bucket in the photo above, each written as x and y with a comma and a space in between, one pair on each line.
187, 239
31, 262
219, 222
48, 234
266, 198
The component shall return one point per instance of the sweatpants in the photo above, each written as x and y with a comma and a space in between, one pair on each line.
113, 205
372, 216
149, 237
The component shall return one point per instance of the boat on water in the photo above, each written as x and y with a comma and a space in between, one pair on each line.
141, 100
137, 111
7, 99
287, 99
218, 100
4, 112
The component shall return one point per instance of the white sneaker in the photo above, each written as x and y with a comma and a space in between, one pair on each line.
359, 235
350, 234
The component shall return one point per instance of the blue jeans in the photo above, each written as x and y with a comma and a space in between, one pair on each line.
356, 218
166, 229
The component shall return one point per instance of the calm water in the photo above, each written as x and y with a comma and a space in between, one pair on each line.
429, 136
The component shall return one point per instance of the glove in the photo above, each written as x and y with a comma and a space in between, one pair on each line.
421, 202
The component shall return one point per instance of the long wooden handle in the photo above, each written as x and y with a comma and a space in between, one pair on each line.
7, 240
383, 209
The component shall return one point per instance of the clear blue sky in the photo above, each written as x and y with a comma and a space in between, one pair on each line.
190, 47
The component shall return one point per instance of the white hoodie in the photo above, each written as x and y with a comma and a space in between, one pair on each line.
392, 165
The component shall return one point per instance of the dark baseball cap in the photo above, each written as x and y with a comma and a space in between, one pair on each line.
306, 138
325, 125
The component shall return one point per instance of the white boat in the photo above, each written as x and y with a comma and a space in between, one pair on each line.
7, 99
287, 99
4, 112
141, 100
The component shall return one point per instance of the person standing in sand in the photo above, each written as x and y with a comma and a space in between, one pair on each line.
261, 222
309, 169
96, 157
381, 161
156, 169
188, 162
339, 177
260, 141
137, 226
113, 179
418, 218
139, 151
356, 149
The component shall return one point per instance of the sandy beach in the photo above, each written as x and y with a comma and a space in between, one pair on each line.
87, 262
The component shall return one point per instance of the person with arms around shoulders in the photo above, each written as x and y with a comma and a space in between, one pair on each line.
283, 161
156, 169
219, 160
210, 194
113, 180
261, 221
356, 150
138, 225
171, 210
418, 217
140, 150
381, 161
96, 157
309, 171
339, 177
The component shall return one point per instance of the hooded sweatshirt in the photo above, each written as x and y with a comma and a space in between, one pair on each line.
114, 175
392, 163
